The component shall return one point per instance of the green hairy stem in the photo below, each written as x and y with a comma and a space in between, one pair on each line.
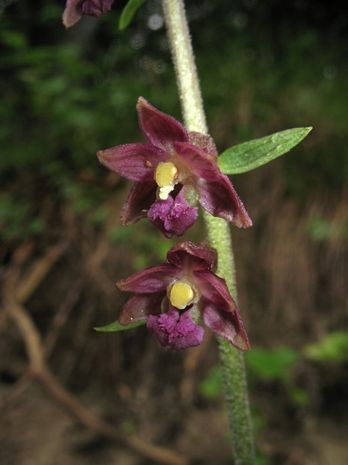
232, 361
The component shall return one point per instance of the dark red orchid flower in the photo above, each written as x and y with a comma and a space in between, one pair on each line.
75, 9
173, 170
176, 296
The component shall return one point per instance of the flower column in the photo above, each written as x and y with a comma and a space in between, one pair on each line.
218, 231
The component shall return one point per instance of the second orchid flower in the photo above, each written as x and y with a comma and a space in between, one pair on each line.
175, 298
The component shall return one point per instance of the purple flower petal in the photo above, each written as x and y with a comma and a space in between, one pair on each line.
174, 330
204, 142
74, 9
138, 308
216, 193
150, 280
141, 196
72, 12
220, 199
227, 325
188, 254
96, 7
136, 162
214, 289
160, 129
198, 162
220, 312
173, 216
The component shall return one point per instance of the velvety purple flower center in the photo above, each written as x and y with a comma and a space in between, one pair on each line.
175, 330
172, 216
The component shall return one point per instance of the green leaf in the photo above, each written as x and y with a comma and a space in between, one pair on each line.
128, 12
254, 153
116, 326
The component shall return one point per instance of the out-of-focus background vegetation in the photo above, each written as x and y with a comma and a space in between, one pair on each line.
264, 66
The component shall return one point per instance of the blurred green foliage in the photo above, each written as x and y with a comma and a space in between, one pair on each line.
278, 364
17, 220
271, 364
320, 229
331, 348
211, 386
262, 459
263, 364
149, 246
128, 427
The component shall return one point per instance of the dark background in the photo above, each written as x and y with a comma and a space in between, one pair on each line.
264, 66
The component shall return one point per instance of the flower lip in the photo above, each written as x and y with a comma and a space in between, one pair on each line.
173, 215
175, 330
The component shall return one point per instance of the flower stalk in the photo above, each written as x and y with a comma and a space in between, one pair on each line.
232, 361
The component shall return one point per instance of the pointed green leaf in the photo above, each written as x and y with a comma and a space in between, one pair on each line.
116, 326
254, 153
128, 12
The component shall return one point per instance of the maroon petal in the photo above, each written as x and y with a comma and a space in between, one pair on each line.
198, 162
220, 312
214, 289
175, 330
220, 199
204, 142
95, 7
188, 254
136, 162
160, 129
72, 12
150, 280
216, 193
227, 325
74, 9
138, 308
173, 216
142, 195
